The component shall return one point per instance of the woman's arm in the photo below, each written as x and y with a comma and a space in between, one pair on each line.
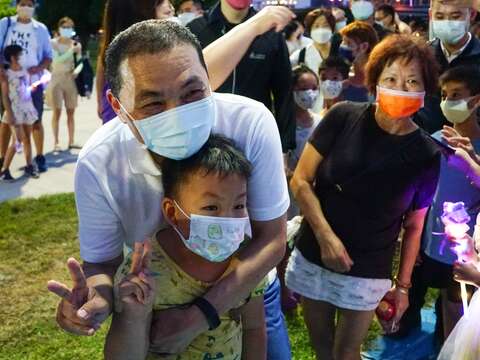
334, 254
254, 333
224, 54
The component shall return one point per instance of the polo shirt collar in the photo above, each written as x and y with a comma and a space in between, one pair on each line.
215, 14
453, 56
139, 158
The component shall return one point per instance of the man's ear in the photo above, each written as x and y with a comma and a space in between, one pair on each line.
474, 102
364, 48
115, 104
473, 15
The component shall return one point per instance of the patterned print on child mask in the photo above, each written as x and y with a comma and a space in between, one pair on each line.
331, 89
305, 98
214, 238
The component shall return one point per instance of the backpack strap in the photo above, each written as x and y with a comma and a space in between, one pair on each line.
9, 23
301, 56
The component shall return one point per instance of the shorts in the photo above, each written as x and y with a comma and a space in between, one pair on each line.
438, 275
342, 291
62, 89
37, 99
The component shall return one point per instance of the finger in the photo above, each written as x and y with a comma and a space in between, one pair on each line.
147, 254
96, 310
450, 131
69, 311
74, 328
59, 289
131, 288
144, 287
76, 273
137, 258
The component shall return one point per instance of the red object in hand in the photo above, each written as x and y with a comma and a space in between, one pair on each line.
385, 310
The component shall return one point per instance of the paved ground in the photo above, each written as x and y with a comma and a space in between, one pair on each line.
59, 177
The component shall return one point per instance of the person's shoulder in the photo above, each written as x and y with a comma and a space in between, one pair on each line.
40, 25
232, 102
349, 107
198, 24
105, 139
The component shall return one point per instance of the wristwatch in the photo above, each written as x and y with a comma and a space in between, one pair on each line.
208, 311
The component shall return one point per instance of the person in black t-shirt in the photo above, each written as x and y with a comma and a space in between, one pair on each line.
366, 172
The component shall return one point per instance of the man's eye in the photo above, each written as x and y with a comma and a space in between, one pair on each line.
194, 94
240, 207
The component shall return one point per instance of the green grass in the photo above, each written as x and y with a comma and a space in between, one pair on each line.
36, 238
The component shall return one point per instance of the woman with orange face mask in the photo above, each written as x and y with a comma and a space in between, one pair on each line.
367, 172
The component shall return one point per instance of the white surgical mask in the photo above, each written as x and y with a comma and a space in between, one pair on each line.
362, 9
25, 12
331, 89
305, 98
214, 238
456, 111
449, 31
321, 35
180, 132
340, 25
380, 22
186, 17
66, 32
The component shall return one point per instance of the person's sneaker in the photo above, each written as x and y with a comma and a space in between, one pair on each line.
30, 172
41, 163
18, 147
6, 176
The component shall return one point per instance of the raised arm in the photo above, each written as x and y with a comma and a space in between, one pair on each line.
224, 54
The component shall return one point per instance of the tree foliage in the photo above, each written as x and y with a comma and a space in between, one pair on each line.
6, 8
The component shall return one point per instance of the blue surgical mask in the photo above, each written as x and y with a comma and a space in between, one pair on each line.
362, 9
340, 25
180, 132
449, 31
346, 52
67, 32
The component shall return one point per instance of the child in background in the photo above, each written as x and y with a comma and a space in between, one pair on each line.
20, 114
205, 205
460, 88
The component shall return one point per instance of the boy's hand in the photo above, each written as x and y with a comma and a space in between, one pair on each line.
466, 272
138, 287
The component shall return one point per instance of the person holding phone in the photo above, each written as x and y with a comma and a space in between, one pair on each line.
460, 89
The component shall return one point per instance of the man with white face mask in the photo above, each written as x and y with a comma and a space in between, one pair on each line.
34, 38
160, 91
453, 46
188, 10
363, 10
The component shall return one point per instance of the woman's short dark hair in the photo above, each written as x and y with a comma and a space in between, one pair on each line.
468, 75
65, 20
218, 156
315, 14
301, 69
406, 48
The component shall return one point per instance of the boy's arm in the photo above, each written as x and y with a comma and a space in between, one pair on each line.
254, 333
129, 334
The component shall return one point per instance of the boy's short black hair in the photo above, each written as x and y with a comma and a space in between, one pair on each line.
33, 1
387, 10
468, 75
11, 51
338, 63
219, 156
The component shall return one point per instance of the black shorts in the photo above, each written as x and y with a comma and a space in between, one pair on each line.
37, 99
436, 274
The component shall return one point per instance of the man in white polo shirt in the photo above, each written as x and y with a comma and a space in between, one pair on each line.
160, 91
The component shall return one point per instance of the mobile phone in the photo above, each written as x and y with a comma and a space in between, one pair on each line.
446, 149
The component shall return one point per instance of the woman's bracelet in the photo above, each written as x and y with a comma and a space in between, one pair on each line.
399, 284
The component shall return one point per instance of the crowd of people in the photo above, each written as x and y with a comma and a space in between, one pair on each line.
252, 162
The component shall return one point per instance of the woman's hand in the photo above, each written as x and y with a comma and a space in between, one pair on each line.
466, 272
334, 254
399, 297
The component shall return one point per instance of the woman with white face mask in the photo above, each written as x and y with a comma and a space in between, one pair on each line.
62, 88
320, 24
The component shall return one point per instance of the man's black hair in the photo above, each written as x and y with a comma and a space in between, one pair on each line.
468, 75
11, 51
146, 37
338, 63
387, 10
218, 156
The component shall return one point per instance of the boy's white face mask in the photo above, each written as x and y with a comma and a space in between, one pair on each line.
214, 238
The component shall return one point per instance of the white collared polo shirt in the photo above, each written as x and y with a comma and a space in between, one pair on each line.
118, 187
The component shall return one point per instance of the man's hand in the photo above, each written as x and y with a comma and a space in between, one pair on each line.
334, 254
271, 17
400, 299
82, 309
174, 329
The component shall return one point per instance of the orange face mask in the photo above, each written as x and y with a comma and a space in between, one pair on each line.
399, 104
